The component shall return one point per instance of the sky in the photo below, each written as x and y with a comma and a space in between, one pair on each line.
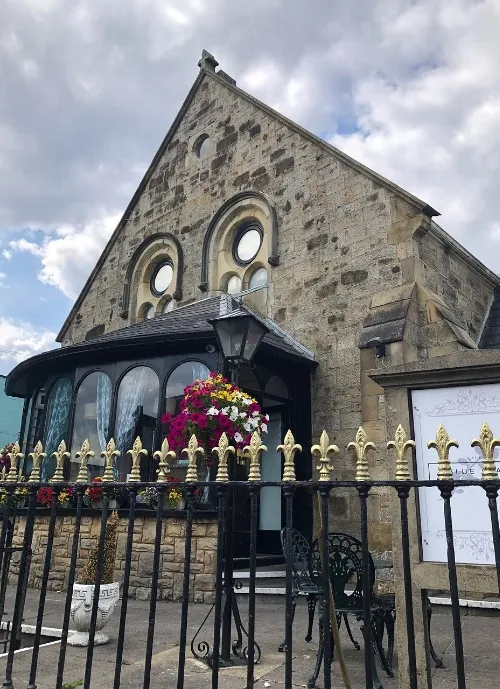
88, 89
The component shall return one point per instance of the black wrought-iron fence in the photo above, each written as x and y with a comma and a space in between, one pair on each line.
332, 564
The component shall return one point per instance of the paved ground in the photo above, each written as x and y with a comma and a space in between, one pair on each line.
481, 642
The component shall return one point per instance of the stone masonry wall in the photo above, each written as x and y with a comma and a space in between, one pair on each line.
203, 554
342, 237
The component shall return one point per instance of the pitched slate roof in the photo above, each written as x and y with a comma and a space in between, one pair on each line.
185, 324
193, 318
490, 339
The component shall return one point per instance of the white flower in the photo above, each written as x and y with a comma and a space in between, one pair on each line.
245, 401
255, 422
266, 417
264, 427
243, 415
225, 411
235, 410
238, 437
255, 413
213, 411
233, 416
248, 426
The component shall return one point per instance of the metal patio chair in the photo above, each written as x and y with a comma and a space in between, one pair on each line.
302, 583
346, 577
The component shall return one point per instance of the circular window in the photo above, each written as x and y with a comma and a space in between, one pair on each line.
162, 277
234, 285
201, 146
169, 306
247, 244
258, 279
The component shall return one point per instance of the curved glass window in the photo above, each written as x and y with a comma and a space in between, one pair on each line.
169, 306
56, 423
185, 374
136, 414
248, 243
258, 279
162, 277
91, 420
234, 285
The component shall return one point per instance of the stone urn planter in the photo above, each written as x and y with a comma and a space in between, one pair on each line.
81, 612
83, 591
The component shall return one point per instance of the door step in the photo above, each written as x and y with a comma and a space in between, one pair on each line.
268, 582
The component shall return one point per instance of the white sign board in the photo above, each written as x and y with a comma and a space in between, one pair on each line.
462, 411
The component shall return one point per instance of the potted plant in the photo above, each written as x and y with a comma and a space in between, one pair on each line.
83, 590
95, 493
210, 408
173, 499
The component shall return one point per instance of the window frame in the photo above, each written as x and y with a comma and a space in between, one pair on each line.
241, 231
158, 267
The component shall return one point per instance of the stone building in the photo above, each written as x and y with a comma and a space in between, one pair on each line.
349, 272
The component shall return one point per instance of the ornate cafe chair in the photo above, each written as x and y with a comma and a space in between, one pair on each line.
346, 577
302, 584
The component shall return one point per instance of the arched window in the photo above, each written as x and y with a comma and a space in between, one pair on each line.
91, 420
56, 423
277, 386
185, 374
35, 428
136, 414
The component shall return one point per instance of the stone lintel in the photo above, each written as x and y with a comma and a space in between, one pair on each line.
460, 368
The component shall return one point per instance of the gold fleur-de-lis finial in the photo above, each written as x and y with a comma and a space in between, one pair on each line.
192, 451
401, 445
163, 456
136, 453
84, 454
60, 455
360, 447
324, 450
487, 444
253, 451
109, 455
289, 449
15, 455
37, 456
443, 445
223, 451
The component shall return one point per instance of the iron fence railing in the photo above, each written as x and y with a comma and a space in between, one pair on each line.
224, 637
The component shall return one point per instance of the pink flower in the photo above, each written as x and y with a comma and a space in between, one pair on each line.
166, 418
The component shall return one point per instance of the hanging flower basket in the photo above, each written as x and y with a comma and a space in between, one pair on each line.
208, 409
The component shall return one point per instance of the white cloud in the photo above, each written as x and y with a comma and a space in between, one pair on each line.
2, 278
69, 255
20, 341
412, 89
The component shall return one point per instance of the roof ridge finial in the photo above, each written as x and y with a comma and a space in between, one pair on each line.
208, 61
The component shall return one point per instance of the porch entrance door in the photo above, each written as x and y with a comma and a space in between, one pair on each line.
270, 507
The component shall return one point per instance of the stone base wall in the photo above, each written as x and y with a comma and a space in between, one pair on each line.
203, 554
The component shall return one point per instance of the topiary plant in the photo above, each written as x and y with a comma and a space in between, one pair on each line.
88, 573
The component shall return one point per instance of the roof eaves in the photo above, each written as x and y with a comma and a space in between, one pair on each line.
142, 185
413, 200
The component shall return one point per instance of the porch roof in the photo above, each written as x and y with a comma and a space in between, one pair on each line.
186, 324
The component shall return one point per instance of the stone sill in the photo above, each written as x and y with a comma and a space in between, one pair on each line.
122, 512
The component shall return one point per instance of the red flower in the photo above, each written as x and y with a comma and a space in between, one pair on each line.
45, 496
253, 407
166, 418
